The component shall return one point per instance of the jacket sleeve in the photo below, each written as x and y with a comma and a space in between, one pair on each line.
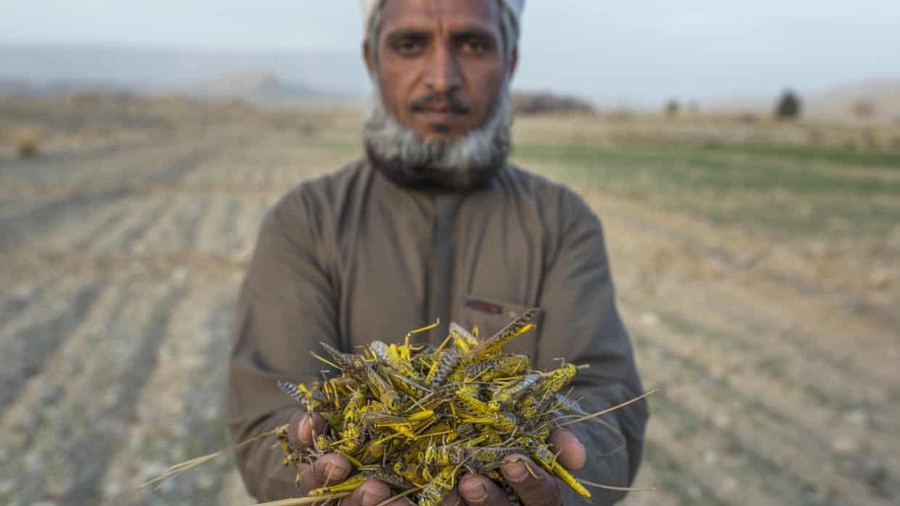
582, 325
285, 308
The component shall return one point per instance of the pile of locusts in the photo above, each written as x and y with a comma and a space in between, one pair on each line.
419, 417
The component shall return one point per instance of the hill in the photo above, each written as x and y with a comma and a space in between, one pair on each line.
876, 100
150, 70
255, 86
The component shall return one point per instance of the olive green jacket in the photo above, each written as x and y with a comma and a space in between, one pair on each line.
354, 257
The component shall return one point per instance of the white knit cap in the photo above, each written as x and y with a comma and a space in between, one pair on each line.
369, 7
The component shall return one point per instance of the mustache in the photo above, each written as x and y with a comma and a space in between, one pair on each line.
429, 101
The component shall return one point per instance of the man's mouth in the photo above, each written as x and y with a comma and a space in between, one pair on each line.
437, 105
441, 115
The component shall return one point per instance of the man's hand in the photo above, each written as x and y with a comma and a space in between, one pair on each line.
334, 468
537, 489
533, 485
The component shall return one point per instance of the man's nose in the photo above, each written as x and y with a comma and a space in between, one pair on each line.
444, 74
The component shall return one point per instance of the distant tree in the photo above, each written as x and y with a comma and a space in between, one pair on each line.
789, 106
864, 109
673, 107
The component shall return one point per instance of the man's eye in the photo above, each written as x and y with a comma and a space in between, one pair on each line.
408, 46
476, 46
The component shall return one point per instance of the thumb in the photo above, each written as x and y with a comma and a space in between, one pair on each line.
572, 454
302, 427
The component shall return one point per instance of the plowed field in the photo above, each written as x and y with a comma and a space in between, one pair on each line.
761, 288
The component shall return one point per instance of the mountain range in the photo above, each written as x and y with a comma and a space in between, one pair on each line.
279, 77
39, 69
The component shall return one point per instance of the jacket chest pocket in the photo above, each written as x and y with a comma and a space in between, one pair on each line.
490, 315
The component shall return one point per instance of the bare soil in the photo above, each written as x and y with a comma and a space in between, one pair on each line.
121, 260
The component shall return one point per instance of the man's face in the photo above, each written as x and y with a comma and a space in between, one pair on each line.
440, 64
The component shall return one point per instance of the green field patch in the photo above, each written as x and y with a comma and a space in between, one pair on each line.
731, 187
844, 157
667, 168
798, 216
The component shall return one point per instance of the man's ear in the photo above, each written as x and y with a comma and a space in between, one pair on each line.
369, 58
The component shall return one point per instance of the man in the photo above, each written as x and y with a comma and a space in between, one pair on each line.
434, 223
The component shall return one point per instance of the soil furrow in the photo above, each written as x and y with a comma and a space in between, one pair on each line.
22, 356
117, 165
17, 229
672, 478
16, 301
21, 229
808, 391
179, 413
122, 235
27, 422
869, 368
25, 312
54, 164
707, 465
742, 294
61, 161
188, 224
779, 355
206, 237
250, 216
178, 170
163, 234
764, 434
67, 236
228, 234
205, 423
12, 205
75, 444
87, 239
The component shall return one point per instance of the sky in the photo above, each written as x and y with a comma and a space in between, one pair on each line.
625, 53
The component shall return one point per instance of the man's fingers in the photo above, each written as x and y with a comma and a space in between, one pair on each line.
533, 485
572, 454
478, 490
330, 469
308, 425
370, 493
453, 498
401, 502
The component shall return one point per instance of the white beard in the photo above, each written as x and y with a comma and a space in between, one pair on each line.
405, 157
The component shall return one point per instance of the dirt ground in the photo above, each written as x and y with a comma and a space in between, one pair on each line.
121, 256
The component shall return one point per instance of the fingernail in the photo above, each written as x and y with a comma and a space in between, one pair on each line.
470, 495
335, 470
368, 499
295, 433
515, 470
573, 437
483, 497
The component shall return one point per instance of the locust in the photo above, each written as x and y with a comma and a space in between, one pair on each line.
419, 417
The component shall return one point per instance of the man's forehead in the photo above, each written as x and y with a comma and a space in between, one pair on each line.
422, 13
